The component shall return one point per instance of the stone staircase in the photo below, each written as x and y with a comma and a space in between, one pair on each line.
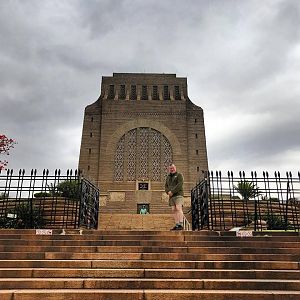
131, 207
148, 265
135, 222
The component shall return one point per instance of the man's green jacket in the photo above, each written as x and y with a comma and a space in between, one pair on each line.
174, 183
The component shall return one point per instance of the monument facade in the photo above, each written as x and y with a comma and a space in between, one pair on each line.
138, 126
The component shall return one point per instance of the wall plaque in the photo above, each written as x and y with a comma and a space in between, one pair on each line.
143, 186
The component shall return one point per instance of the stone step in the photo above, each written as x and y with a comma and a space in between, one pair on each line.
27, 233
134, 211
148, 249
167, 237
148, 273
140, 294
144, 283
149, 243
119, 221
151, 264
239, 211
147, 256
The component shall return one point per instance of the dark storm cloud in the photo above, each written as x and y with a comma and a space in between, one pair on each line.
241, 59
261, 138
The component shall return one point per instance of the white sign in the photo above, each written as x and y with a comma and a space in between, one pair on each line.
43, 232
13, 216
244, 233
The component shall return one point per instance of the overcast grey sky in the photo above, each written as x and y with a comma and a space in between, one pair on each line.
241, 59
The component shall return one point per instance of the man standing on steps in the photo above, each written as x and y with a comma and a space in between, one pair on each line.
174, 189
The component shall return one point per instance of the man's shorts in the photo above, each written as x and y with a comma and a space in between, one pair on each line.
176, 200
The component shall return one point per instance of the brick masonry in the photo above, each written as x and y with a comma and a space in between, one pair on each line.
127, 103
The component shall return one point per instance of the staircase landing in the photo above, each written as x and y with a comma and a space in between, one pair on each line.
135, 222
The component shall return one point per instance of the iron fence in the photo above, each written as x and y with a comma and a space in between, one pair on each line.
267, 202
199, 201
47, 200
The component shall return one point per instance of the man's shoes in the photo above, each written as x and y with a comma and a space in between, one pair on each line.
177, 227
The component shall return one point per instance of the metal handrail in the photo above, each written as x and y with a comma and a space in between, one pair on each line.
186, 224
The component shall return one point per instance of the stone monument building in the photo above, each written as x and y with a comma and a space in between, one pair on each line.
140, 123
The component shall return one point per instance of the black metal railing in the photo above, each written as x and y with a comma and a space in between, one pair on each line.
199, 201
267, 202
89, 208
47, 200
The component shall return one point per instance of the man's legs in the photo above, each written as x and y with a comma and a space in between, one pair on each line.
174, 214
177, 215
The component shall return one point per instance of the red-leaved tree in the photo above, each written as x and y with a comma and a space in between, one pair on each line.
5, 145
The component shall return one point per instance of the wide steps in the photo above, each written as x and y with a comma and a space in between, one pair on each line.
150, 256
149, 249
118, 221
148, 273
153, 294
144, 283
150, 264
116, 264
189, 244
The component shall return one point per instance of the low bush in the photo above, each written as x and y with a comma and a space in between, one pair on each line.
42, 194
23, 216
3, 196
275, 222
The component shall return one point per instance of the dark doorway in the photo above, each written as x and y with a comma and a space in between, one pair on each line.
143, 208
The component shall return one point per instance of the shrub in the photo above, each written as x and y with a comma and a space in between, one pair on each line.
247, 189
276, 222
69, 189
23, 218
42, 194
273, 199
3, 195
7, 222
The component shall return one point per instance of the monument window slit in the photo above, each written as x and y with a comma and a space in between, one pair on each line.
155, 92
166, 93
144, 92
111, 91
122, 92
133, 94
177, 92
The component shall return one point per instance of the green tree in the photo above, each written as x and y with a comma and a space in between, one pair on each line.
69, 189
